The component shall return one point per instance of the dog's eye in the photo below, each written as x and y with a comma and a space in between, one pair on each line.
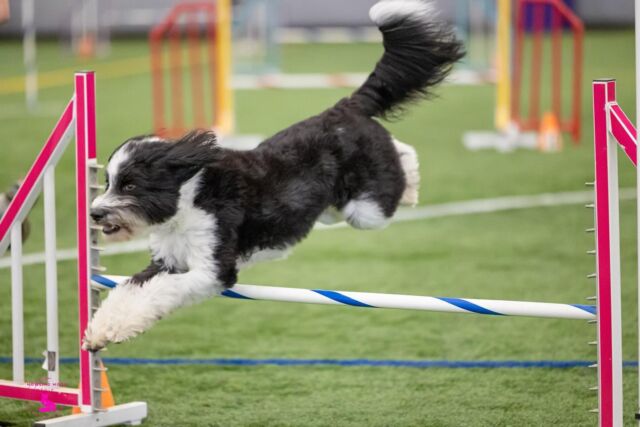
129, 187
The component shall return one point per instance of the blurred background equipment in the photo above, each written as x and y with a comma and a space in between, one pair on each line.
4, 11
87, 27
84, 28
29, 54
207, 29
545, 57
548, 22
194, 50
475, 21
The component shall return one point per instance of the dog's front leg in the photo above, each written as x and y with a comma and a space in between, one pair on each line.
155, 267
131, 309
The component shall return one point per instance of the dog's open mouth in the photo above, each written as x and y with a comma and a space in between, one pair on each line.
109, 228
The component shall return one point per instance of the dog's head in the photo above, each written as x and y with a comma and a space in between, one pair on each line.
143, 180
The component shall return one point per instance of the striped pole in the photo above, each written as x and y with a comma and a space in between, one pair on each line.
405, 302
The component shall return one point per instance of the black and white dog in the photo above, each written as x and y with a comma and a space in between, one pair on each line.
211, 211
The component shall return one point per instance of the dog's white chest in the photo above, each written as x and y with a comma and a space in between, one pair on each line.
188, 240
171, 249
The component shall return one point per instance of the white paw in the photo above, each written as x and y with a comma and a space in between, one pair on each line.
116, 320
96, 339
93, 341
99, 334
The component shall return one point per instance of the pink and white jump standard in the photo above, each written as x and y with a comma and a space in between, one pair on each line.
79, 119
611, 128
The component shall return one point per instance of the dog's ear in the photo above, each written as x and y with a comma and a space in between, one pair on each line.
199, 137
192, 152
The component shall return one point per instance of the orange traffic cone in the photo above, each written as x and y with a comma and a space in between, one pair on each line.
549, 137
86, 46
106, 396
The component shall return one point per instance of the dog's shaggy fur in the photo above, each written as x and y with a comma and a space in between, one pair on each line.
211, 210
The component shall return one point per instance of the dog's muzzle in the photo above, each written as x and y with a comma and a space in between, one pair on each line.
100, 216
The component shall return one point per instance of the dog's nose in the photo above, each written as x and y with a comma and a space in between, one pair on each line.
98, 213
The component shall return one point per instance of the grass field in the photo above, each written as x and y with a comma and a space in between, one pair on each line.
535, 254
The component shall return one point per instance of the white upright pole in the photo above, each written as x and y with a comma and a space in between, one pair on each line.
614, 274
637, 31
51, 277
29, 53
17, 313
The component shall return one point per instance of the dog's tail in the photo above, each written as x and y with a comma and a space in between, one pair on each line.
419, 51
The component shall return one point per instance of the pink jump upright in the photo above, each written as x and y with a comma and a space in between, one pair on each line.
611, 128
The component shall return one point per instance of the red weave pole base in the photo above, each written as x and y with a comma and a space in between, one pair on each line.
189, 25
560, 17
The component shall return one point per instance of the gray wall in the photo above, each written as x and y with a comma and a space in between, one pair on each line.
606, 12
54, 16
300, 13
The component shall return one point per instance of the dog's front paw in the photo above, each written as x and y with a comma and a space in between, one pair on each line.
93, 341
99, 334
117, 319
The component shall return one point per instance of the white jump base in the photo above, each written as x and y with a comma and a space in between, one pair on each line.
119, 414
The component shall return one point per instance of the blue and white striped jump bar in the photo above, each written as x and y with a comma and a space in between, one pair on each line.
406, 302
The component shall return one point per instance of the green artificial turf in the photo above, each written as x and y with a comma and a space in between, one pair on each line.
535, 254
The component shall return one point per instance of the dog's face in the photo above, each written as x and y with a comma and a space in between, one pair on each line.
143, 180
136, 193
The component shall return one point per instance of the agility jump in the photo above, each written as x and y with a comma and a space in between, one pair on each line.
78, 120
611, 125
609, 120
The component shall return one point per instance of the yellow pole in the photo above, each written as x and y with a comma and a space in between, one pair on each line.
503, 65
224, 121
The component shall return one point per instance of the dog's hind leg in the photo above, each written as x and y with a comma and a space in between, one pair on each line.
410, 167
263, 255
365, 213
330, 216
